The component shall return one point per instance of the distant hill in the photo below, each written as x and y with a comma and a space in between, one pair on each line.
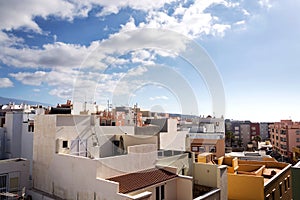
4, 100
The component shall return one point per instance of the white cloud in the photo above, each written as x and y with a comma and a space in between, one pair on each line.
138, 71
242, 22
143, 56
114, 6
36, 90
64, 94
50, 56
191, 21
16, 14
265, 3
28, 78
159, 98
6, 83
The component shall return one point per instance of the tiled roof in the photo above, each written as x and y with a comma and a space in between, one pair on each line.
138, 180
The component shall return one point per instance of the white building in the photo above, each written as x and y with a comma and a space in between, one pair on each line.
74, 159
14, 176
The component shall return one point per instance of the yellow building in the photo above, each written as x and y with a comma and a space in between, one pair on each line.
257, 180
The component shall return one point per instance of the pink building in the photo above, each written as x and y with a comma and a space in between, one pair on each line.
284, 136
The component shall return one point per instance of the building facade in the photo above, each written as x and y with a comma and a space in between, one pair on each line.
285, 135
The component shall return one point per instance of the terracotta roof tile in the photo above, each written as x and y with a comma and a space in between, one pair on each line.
138, 180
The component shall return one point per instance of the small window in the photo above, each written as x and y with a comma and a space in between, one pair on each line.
3, 183
268, 197
298, 140
288, 181
285, 184
14, 184
280, 189
65, 144
194, 149
273, 194
30, 128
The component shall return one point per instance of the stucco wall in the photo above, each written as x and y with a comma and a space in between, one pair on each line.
16, 168
173, 140
245, 187
184, 188
74, 177
206, 174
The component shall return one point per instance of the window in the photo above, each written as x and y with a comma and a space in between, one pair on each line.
297, 139
30, 128
273, 194
79, 147
160, 192
285, 184
201, 149
283, 132
65, 144
268, 197
194, 149
3, 183
298, 132
280, 189
282, 139
14, 184
212, 149
288, 181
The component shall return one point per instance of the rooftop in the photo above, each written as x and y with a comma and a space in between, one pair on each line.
139, 180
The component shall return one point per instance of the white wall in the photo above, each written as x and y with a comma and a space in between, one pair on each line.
13, 124
206, 174
16, 168
69, 176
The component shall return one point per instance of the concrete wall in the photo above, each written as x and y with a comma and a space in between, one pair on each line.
180, 162
184, 188
27, 145
13, 124
147, 130
179, 188
2, 142
245, 133
75, 177
223, 181
115, 130
173, 140
206, 174
295, 180
245, 187
139, 157
16, 168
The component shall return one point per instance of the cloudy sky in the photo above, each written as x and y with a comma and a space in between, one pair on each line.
165, 55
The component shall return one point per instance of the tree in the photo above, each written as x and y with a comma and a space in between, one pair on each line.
229, 137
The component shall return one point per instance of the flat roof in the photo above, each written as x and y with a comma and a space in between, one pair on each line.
139, 180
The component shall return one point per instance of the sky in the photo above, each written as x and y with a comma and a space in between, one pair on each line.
233, 58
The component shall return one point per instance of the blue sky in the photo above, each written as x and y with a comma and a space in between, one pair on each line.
90, 51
